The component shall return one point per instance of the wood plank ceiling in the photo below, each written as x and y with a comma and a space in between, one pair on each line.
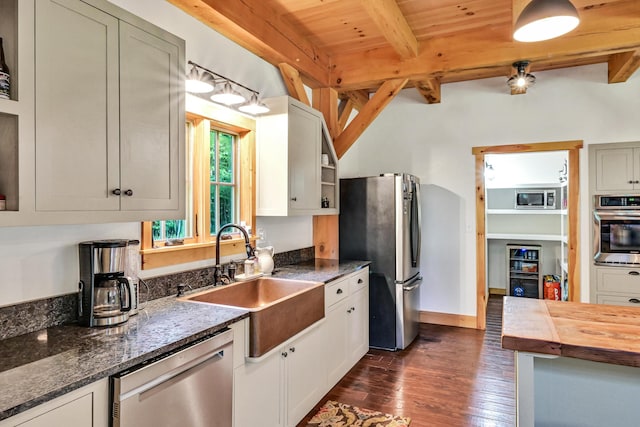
356, 47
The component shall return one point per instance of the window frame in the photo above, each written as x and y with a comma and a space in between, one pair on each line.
205, 116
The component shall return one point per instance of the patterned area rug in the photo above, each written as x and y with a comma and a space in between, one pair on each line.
335, 414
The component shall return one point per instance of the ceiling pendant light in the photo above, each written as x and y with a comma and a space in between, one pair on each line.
545, 19
521, 81
198, 82
254, 106
228, 96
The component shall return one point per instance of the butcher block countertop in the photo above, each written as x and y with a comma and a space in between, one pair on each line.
596, 332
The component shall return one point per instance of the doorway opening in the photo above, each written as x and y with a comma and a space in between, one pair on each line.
572, 241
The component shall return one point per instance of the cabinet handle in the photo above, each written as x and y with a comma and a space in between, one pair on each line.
630, 182
117, 192
349, 311
634, 300
292, 349
129, 192
284, 354
353, 309
339, 291
294, 199
360, 281
636, 182
634, 273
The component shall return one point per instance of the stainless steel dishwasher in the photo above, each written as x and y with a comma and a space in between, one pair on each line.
192, 386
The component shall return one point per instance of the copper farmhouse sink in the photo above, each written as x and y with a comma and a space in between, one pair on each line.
279, 308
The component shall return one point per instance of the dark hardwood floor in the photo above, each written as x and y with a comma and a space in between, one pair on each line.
447, 377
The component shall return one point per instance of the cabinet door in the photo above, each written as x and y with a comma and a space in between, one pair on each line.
87, 406
76, 107
614, 169
358, 315
151, 121
336, 335
304, 160
619, 280
306, 376
77, 413
257, 393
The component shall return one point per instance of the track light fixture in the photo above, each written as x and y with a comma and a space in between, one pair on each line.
545, 19
202, 80
521, 80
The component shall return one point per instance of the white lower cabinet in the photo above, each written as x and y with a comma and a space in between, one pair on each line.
347, 311
281, 387
616, 285
85, 407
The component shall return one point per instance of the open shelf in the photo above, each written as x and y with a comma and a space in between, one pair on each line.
9, 35
9, 159
516, 236
523, 212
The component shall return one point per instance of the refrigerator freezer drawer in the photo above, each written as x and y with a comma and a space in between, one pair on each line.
408, 301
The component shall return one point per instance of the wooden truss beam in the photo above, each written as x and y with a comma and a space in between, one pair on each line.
389, 19
623, 65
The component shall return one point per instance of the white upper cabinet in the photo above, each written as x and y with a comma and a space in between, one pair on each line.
151, 120
291, 178
77, 141
616, 167
109, 114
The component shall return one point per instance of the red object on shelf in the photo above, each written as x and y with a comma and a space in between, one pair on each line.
552, 288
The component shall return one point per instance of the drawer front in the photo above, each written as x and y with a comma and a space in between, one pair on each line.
618, 280
630, 300
336, 291
359, 280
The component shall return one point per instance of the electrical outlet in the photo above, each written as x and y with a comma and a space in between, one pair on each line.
262, 234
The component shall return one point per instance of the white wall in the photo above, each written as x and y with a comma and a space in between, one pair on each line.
38, 262
435, 141
510, 170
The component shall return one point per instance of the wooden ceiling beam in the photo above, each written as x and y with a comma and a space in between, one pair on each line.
259, 28
383, 96
389, 19
488, 52
358, 97
293, 82
325, 100
429, 89
345, 108
623, 65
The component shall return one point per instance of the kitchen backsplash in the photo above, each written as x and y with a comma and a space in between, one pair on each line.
41, 314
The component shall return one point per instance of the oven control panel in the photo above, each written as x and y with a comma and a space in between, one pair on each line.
617, 202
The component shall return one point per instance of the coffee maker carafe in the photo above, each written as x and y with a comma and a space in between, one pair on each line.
104, 291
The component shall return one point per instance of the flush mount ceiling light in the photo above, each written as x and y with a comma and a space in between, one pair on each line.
545, 19
202, 80
521, 80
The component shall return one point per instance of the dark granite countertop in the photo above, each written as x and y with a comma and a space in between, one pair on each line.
40, 366
319, 270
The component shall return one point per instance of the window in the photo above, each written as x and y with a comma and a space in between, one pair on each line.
222, 180
220, 157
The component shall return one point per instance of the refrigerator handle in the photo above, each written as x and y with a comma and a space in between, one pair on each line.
416, 228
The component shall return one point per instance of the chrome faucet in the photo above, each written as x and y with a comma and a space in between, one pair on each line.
217, 273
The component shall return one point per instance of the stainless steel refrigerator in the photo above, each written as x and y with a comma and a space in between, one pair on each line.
380, 222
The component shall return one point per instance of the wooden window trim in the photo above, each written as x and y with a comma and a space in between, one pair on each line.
204, 247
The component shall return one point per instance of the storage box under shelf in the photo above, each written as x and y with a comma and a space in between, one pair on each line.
524, 270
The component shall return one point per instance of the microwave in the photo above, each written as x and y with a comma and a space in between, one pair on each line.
535, 199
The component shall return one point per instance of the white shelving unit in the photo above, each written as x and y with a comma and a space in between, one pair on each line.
545, 227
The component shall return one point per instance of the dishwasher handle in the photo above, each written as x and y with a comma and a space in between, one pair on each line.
174, 374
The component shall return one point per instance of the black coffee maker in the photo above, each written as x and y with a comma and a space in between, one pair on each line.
104, 291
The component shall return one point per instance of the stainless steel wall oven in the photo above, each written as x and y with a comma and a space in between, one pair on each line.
616, 222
